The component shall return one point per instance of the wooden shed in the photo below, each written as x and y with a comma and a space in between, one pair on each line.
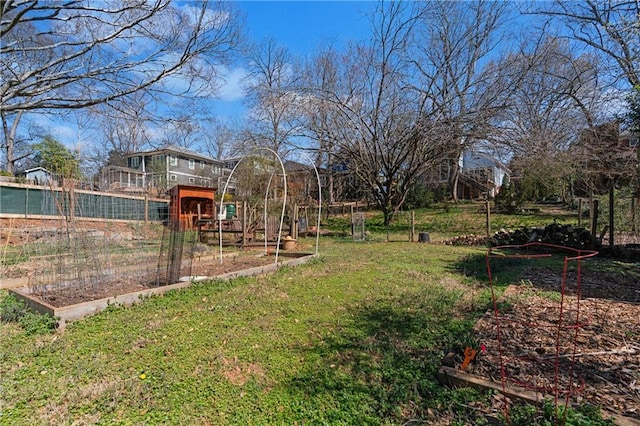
188, 203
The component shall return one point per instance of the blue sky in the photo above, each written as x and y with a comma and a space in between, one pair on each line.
300, 26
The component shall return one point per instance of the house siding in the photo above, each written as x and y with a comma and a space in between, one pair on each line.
165, 168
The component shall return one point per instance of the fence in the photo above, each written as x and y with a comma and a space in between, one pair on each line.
31, 201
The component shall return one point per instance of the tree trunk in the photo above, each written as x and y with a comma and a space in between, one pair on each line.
454, 178
611, 216
10, 139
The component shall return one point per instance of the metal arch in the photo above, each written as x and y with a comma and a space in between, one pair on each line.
319, 200
284, 202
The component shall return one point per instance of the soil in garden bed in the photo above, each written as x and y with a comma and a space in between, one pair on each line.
67, 295
599, 359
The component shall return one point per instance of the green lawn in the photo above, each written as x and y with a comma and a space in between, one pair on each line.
346, 339
447, 220
355, 337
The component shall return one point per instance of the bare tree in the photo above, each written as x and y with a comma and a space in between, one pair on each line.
122, 127
76, 54
383, 133
611, 29
272, 96
608, 27
322, 75
220, 138
555, 93
453, 40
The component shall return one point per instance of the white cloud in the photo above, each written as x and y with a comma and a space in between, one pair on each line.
231, 88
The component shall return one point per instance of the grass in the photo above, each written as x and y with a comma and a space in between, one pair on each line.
355, 337
346, 340
446, 220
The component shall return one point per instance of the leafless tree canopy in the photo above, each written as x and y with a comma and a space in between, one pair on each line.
272, 97
453, 42
73, 54
62, 55
609, 27
380, 130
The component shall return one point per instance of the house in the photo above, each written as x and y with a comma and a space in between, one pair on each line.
606, 155
163, 168
302, 181
37, 176
479, 174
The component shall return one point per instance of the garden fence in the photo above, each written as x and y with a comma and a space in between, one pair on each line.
32, 201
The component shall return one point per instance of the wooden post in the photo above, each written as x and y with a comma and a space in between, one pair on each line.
488, 218
579, 212
244, 224
352, 224
412, 236
611, 211
594, 222
294, 231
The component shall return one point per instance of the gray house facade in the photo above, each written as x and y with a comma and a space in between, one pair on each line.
162, 169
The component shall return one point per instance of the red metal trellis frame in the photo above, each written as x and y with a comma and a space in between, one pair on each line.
537, 250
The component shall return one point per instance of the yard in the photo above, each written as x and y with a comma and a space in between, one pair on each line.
355, 337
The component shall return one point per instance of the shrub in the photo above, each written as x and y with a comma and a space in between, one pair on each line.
14, 310
11, 309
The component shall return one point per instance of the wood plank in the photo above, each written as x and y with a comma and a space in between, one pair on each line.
457, 378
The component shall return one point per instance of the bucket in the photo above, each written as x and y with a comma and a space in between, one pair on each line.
231, 211
423, 237
288, 243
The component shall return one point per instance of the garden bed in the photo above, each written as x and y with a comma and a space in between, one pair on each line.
598, 361
74, 302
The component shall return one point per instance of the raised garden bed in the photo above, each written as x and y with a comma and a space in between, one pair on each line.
71, 303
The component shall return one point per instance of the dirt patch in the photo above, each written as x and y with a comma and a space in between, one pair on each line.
239, 373
593, 353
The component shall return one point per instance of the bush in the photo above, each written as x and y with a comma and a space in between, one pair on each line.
424, 196
34, 323
14, 310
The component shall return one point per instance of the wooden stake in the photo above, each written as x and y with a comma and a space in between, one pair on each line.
412, 236
488, 206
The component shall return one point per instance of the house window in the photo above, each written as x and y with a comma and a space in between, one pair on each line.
192, 180
173, 177
134, 162
204, 183
192, 163
216, 170
202, 165
173, 160
633, 142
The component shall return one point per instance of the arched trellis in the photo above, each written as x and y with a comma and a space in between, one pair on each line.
284, 201
319, 199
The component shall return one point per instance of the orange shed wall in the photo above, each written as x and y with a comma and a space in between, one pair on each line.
180, 212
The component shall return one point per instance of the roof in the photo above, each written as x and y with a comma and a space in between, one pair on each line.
294, 166
178, 150
34, 169
487, 160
